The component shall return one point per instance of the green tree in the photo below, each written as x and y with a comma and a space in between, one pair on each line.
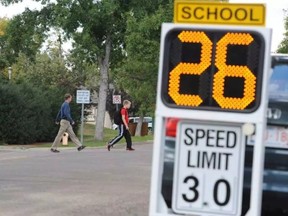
23, 33
138, 75
3, 25
3, 38
84, 72
46, 70
49, 73
97, 28
19, 35
283, 47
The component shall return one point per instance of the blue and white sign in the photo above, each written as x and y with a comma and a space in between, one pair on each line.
83, 97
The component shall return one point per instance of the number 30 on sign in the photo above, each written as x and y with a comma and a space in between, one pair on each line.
213, 69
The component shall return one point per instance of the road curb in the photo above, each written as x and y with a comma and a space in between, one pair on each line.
23, 148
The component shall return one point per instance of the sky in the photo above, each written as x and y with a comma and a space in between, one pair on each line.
274, 15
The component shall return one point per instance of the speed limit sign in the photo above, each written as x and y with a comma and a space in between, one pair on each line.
209, 161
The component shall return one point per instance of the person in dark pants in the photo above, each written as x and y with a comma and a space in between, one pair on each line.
65, 119
123, 129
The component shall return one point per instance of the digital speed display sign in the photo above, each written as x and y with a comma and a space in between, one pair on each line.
213, 69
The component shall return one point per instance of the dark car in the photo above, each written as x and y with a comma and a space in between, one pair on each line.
275, 185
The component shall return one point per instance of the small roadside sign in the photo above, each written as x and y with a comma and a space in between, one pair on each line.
209, 161
219, 13
116, 99
83, 97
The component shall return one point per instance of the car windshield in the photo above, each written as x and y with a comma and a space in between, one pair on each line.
278, 85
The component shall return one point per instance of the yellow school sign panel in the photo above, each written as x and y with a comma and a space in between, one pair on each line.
219, 13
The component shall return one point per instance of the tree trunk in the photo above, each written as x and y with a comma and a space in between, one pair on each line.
102, 97
139, 126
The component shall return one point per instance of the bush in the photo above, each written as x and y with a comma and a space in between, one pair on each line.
22, 109
27, 113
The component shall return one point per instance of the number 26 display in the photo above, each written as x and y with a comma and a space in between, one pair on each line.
215, 70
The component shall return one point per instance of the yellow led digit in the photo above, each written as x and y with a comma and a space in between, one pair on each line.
190, 68
235, 71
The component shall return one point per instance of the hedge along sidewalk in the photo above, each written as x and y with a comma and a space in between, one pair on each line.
89, 141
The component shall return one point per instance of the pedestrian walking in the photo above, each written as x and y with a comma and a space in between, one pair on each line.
66, 122
123, 128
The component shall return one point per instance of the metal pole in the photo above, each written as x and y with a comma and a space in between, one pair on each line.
113, 96
9, 73
82, 122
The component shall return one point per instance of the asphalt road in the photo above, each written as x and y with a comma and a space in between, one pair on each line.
92, 182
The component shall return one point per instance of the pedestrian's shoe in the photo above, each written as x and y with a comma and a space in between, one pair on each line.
130, 149
54, 150
81, 148
108, 146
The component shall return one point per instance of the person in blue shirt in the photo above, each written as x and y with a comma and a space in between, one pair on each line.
66, 122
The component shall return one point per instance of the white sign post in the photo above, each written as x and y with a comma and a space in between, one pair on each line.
82, 97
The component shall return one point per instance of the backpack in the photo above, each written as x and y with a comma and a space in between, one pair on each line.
118, 117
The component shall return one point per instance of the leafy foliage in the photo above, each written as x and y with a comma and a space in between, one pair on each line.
23, 111
120, 37
27, 113
36, 85
23, 33
283, 47
3, 45
142, 45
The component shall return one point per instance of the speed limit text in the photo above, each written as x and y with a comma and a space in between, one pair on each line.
217, 144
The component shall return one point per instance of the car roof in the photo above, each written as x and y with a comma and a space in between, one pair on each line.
279, 54
279, 58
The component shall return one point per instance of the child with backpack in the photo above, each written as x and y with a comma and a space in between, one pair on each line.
122, 120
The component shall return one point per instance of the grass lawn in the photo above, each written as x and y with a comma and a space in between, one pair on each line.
88, 137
